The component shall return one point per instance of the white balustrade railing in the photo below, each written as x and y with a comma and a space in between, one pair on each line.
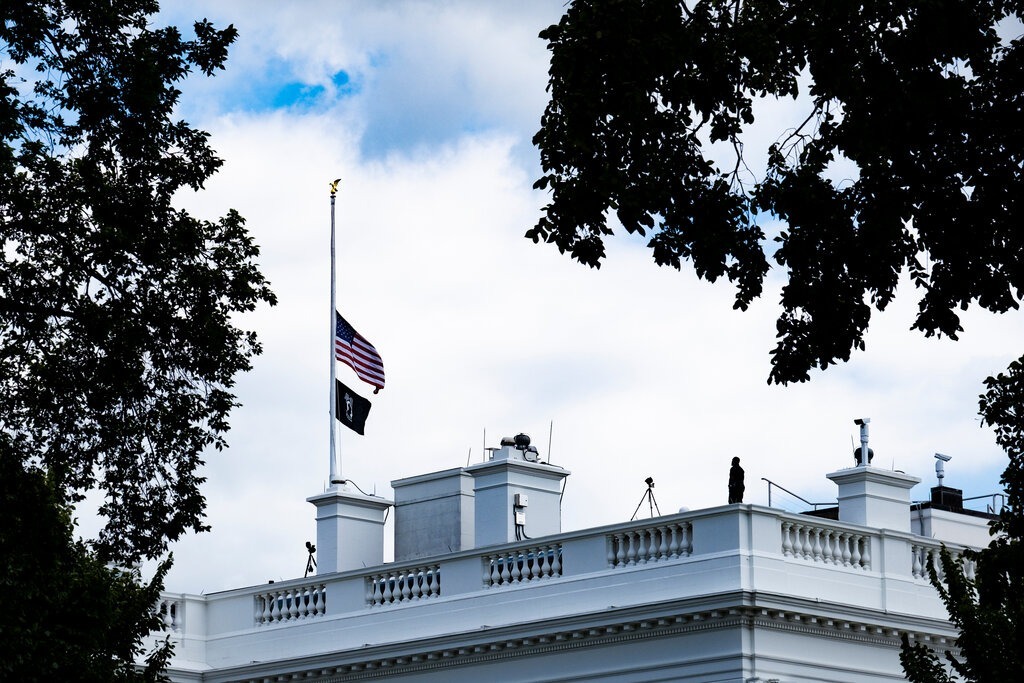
819, 543
171, 611
650, 544
522, 564
290, 604
572, 556
402, 585
922, 555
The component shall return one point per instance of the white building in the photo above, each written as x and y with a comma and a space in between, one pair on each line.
737, 593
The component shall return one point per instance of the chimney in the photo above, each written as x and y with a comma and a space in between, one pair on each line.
874, 497
349, 529
517, 497
510, 497
434, 514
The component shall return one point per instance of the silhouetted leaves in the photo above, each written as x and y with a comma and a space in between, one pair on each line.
924, 98
66, 616
988, 610
118, 346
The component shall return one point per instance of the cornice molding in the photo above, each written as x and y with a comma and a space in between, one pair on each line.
624, 629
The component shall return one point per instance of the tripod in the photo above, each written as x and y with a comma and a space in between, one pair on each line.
649, 497
310, 561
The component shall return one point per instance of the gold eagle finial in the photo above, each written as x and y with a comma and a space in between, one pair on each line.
334, 186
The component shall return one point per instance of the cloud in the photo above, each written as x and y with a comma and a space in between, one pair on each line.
425, 72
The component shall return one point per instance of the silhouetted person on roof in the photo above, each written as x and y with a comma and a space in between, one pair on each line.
736, 482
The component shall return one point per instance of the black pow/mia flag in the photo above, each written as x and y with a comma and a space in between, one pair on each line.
350, 408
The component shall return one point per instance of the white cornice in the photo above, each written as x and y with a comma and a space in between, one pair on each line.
502, 644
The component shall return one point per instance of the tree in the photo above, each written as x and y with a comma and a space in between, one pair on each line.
988, 609
118, 336
923, 98
118, 346
66, 615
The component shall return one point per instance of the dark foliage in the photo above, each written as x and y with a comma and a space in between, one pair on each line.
118, 346
117, 342
988, 609
922, 96
66, 616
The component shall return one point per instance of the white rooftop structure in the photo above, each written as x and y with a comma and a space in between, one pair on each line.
486, 586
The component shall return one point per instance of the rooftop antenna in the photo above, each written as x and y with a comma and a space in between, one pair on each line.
551, 430
469, 455
649, 497
940, 470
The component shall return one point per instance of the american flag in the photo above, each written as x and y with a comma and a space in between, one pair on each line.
352, 348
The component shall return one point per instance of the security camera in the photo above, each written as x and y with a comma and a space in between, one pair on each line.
862, 421
943, 458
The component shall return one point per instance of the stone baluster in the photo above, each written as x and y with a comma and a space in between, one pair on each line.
826, 546
799, 541
865, 555
844, 543
787, 542
630, 549
488, 562
260, 606
276, 605
496, 571
816, 548
855, 550
390, 584
641, 551
556, 560
165, 614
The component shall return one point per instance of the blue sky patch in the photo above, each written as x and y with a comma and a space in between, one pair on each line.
342, 81
296, 94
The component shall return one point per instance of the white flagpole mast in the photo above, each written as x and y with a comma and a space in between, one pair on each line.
335, 460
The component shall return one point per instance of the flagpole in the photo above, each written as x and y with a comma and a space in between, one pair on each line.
335, 459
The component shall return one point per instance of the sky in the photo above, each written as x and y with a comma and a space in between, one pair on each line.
426, 111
